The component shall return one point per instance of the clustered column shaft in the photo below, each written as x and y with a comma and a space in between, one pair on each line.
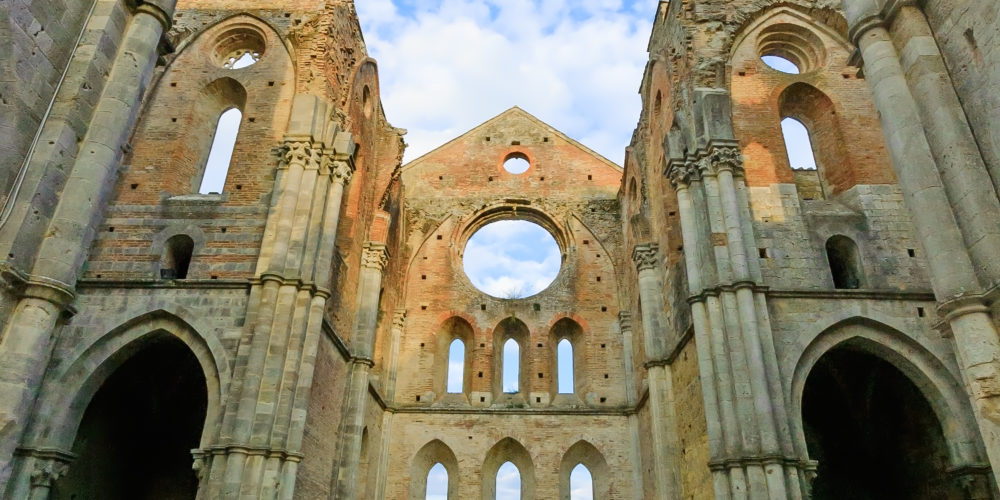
376, 256
664, 427
260, 439
749, 437
943, 196
26, 344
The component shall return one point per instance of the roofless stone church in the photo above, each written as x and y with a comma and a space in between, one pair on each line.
293, 320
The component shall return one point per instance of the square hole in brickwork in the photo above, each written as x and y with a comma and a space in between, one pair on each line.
545, 139
440, 237
173, 84
111, 229
173, 120
537, 307
604, 400
762, 253
605, 375
920, 312
423, 276
223, 230
270, 84
604, 309
603, 346
598, 279
488, 139
541, 178
423, 308
515, 143
134, 186
490, 179
418, 399
482, 307
421, 344
586, 242
672, 214
541, 375
538, 400
214, 277
482, 399
911, 252
598, 256
251, 119
539, 344
590, 177
440, 177
743, 73
480, 374
239, 187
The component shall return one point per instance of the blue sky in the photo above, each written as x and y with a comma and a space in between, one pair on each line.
512, 259
445, 66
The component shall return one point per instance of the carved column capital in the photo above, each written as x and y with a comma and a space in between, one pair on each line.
645, 256
375, 256
726, 157
301, 153
682, 174
399, 318
341, 172
46, 471
625, 321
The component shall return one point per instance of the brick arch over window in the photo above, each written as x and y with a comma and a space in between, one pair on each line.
587, 454
433, 453
208, 124
814, 109
567, 329
510, 329
508, 450
454, 328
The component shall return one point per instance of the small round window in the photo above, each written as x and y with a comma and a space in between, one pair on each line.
512, 259
516, 163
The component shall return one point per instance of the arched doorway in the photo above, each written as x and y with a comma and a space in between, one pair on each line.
872, 431
136, 436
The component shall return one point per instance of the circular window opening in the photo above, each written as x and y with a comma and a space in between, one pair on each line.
516, 163
781, 64
512, 259
239, 47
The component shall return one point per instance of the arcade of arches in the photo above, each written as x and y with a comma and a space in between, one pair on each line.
222, 281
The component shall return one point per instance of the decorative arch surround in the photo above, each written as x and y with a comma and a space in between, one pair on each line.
508, 450
826, 97
587, 454
66, 393
510, 329
434, 452
452, 329
568, 330
942, 391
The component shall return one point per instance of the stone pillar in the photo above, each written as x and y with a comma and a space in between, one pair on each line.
259, 444
352, 424
966, 179
25, 345
953, 276
398, 321
664, 425
749, 437
625, 325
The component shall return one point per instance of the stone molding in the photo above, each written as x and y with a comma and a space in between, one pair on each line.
645, 256
376, 256
625, 321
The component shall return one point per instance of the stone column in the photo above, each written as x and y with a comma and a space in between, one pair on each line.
952, 272
26, 344
625, 325
352, 425
966, 179
398, 321
664, 426
260, 440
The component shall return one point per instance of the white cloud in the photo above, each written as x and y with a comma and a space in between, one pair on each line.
446, 66
512, 259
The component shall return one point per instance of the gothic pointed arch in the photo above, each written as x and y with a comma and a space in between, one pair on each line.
508, 450
586, 454
431, 454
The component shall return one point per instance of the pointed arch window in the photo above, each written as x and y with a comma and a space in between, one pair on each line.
221, 154
581, 483
508, 482
511, 366
564, 355
798, 144
456, 367
437, 483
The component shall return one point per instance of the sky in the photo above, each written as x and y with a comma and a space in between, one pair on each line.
508, 483
446, 66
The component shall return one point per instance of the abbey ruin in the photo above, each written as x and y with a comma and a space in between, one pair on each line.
738, 327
